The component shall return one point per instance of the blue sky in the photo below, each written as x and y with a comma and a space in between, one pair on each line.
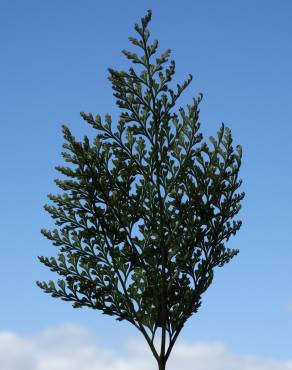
54, 64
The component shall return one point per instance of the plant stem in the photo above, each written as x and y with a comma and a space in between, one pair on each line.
161, 365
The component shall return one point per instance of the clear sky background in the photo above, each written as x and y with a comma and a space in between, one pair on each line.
54, 59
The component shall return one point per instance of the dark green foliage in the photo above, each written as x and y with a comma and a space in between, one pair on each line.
147, 207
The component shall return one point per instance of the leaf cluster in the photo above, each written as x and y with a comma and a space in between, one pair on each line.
146, 208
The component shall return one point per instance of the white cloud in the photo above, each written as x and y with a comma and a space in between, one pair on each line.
70, 347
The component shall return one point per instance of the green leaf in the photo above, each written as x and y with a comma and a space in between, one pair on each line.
146, 207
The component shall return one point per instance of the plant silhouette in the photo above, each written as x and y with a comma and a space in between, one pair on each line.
147, 206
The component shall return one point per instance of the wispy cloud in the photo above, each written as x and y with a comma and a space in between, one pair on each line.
70, 347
